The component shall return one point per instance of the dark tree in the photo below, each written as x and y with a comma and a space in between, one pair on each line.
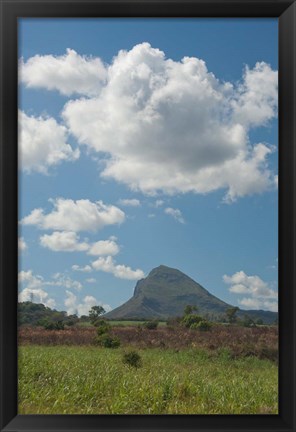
231, 314
95, 313
189, 309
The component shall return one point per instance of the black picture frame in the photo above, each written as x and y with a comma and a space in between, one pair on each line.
285, 11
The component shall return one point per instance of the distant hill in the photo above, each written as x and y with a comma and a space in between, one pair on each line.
166, 291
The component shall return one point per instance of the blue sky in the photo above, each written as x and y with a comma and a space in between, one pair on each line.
146, 142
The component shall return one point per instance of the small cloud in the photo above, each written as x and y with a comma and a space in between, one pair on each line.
22, 245
64, 241
85, 269
151, 215
276, 180
107, 264
175, 213
91, 280
64, 281
158, 203
129, 202
104, 247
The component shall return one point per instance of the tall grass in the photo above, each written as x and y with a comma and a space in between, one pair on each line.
91, 380
241, 342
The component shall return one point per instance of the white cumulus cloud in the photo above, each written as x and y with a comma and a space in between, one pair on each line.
171, 126
80, 215
64, 241
260, 294
257, 96
107, 264
69, 74
104, 247
43, 144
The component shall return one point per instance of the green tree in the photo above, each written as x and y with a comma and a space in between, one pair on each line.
95, 313
189, 309
248, 322
231, 314
150, 325
189, 320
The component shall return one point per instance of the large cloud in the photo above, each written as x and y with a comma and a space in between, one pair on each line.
172, 126
260, 294
80, 215
43, 143
69, 73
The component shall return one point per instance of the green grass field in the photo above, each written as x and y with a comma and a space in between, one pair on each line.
92, 380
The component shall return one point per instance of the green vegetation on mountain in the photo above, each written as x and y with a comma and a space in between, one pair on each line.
166, 292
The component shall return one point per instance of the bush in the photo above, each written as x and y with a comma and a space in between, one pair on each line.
48, 325
108, 341
259, 321
151, 325
189, 320
132, 359
248, 322
173, 322
102, 327
202, 326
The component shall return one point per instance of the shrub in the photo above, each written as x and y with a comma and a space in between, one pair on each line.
189, 309
108, 341
189, 320
269, 353
48, 325
259, 321
248, 322
173, 321
102, 327
150, 325
202, 325
132, 359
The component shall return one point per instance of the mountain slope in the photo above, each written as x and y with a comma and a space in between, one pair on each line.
166, 291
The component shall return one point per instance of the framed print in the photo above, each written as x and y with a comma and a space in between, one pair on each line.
147, 215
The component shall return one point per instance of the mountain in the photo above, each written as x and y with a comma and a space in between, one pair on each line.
166, 291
